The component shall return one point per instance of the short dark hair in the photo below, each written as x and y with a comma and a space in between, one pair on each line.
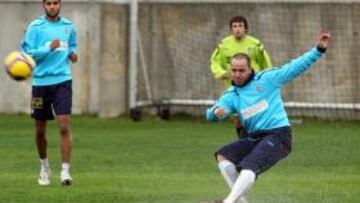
45, 1
242, 56
239, 19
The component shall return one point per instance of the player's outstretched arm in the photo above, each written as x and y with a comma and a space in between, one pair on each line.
298, 66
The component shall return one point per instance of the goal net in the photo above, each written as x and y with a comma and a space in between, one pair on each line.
175, 40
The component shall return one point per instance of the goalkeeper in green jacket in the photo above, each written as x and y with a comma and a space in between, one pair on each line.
238, 42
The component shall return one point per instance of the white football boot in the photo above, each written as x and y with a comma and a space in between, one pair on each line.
44, 177
65, 178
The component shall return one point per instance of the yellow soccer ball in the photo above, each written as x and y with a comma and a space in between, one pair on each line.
19, 65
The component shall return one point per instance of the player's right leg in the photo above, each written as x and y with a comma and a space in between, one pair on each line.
41, 112
230, 174
228, 158
41, 140
241, 186
227, 170
41, 143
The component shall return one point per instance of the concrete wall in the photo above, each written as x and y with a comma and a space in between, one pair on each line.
99, 76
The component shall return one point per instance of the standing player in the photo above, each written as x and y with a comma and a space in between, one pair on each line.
238, 42
51, 41
256, 99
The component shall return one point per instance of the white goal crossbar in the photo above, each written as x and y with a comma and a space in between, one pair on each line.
209, 102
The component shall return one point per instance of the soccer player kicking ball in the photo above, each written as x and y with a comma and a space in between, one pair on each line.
257, 101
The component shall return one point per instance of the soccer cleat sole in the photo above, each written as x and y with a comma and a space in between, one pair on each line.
43, 183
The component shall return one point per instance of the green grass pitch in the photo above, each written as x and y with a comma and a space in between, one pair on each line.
153, 161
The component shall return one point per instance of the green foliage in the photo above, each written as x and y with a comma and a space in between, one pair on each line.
117, 160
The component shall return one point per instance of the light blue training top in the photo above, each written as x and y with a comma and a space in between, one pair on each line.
52, 66
258, 104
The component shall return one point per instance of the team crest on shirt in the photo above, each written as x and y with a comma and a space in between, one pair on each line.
259, 88
250, 51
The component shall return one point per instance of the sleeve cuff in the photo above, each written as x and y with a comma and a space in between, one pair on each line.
321, 49
48, 48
